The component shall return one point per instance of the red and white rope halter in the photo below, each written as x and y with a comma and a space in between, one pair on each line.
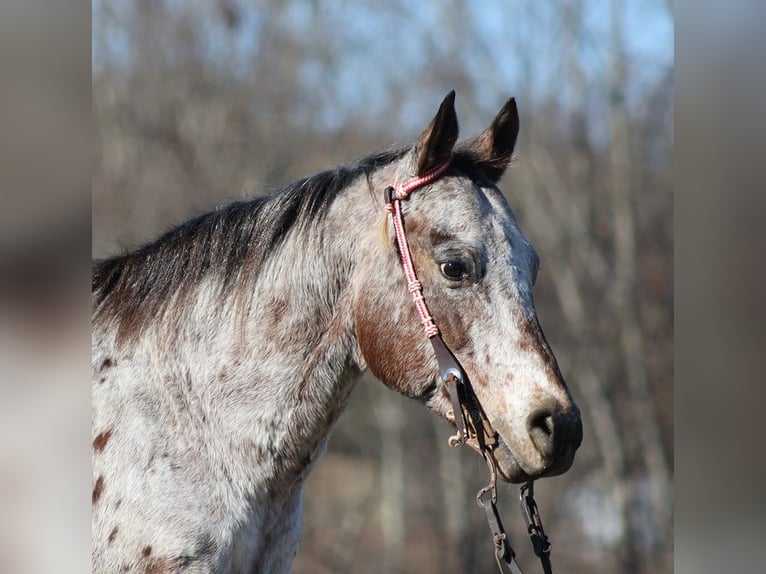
394, 207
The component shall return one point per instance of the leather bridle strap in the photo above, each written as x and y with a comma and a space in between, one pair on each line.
452, 374
540, 542
470, 420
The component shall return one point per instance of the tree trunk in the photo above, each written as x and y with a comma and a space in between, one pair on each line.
390, 419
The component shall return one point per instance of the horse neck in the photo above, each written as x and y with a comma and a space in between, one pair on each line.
273, 367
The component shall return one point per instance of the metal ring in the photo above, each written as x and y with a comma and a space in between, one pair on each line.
452, 371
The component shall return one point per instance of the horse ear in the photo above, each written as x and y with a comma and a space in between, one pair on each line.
492, 149
437, 140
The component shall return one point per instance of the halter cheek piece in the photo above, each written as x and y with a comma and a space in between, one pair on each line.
473, 426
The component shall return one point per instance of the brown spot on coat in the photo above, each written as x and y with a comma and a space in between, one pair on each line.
277, 310
393, 346
273, 315
112, 535
106, 364
162, 566
532, 338
146, 551
101, 439
437, 236
98, 488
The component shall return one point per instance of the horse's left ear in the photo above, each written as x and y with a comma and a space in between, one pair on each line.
492, 149
437, 140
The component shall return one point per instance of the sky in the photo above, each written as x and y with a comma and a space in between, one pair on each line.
517, 48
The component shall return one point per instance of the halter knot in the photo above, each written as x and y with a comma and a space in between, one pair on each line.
431, 330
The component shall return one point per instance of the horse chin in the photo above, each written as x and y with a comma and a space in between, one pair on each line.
508, 468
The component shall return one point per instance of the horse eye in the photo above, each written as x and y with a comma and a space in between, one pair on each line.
453, 270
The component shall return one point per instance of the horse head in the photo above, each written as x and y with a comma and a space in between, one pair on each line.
477, 271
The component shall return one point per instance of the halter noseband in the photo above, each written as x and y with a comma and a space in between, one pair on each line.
473, 426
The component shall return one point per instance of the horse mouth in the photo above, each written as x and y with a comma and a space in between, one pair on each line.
506, 464
510, 470
508, 467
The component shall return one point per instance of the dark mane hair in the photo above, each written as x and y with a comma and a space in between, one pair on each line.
135, 286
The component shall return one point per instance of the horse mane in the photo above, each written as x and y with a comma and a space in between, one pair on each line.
135, 286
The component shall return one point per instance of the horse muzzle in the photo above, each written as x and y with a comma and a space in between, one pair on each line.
552, 439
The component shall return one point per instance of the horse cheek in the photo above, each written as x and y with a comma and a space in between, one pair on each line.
394, 353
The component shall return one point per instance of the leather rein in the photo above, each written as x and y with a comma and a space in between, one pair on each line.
473, 426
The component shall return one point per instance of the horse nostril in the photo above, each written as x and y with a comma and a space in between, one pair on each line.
540, 425
555, 432
544, 422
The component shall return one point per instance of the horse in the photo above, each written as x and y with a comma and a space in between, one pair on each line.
224, 351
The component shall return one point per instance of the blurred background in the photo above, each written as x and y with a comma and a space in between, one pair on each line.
199, 102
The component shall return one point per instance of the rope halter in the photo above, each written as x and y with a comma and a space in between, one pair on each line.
394, 197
